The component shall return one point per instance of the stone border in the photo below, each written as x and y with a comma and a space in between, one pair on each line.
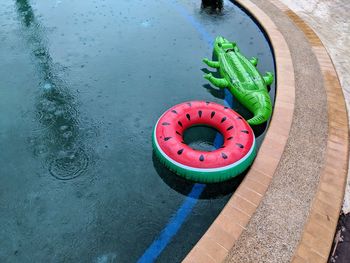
319, 230
215, 244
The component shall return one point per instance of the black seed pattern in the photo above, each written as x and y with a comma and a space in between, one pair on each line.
189, 104
224, 155
245, 131
200, 114
240, 145
223, 119
207, 102
179, 122
239, 118
167, 138
165, 123
229, 138
188, 116
178, 133
212, 114
225, 108
174, 111
201, 158
229, 128
179, 152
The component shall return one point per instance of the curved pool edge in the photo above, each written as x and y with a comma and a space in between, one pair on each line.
318, 232
221, 236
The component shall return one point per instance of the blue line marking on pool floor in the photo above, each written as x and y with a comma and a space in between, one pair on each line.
173, 226
175, 223
198, 26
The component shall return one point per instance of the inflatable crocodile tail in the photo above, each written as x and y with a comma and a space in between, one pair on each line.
258, 118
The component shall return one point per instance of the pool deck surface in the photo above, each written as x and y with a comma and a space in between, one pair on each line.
294, 216
295, 181
331, 21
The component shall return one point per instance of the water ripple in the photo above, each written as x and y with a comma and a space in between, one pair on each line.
69, 164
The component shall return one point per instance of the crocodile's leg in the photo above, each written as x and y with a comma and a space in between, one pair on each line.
211, 63
217, 82
268, 78
254, 61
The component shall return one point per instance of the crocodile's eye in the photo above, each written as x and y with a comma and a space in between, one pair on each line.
219, 44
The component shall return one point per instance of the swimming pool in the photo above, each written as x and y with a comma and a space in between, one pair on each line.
83, 84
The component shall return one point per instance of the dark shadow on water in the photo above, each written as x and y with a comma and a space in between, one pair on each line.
206, 71
217, 93
259, 129
183, 186
212, 6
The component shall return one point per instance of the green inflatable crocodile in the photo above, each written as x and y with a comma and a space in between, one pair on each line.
242, 79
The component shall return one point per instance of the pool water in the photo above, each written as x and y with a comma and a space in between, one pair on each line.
202, 138
82, 85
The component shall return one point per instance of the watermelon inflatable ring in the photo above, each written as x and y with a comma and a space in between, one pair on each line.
232, 158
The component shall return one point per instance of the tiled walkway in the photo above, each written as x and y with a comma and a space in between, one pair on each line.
331, 21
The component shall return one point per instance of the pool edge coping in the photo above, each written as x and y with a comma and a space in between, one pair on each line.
220, 237
319, 229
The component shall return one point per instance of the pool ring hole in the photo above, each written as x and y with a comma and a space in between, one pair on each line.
202, 137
